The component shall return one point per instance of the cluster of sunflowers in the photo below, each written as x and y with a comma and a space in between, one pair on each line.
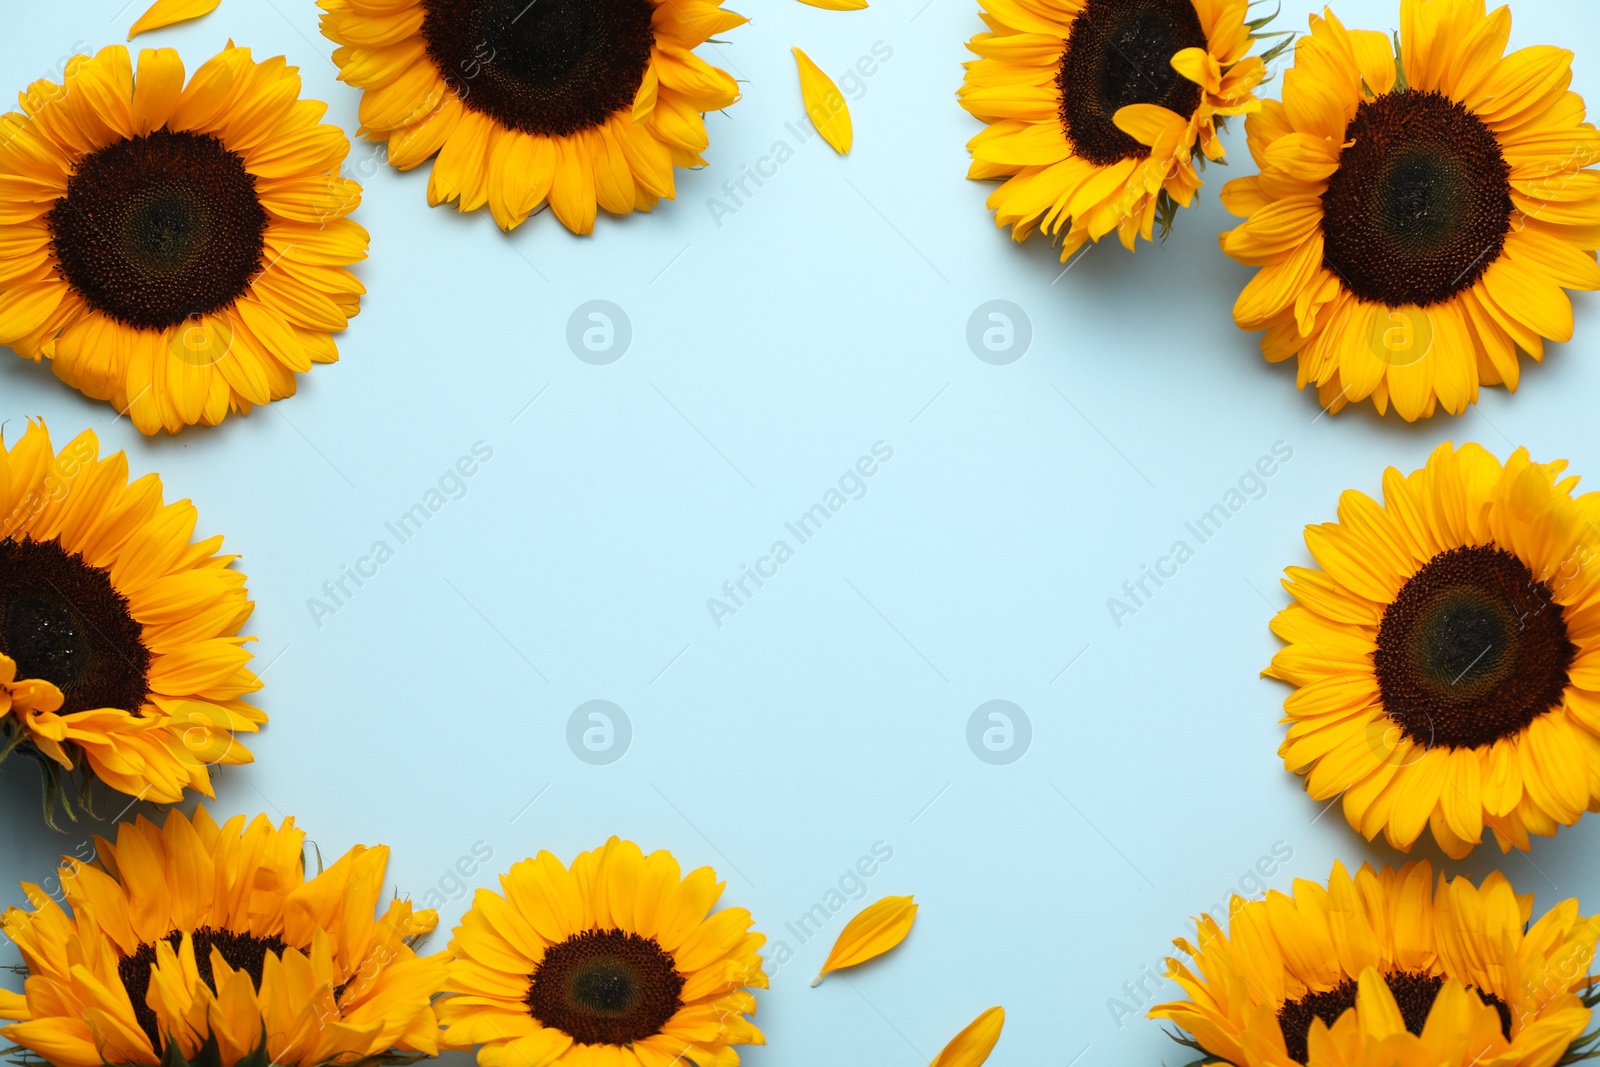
181, 247
1421, 207
193, 943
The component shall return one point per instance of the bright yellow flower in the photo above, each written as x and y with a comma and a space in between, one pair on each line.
576, 103
177, 250
1095, 109
1387, 970
1446, 658
119, 643
211, 937
617, 961
1416, 224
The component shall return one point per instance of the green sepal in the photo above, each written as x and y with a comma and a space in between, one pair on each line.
1401, 85
1581, 1050
1288, 42
1166, 213
1206, 1057
1586, 1047
15, 736
210, 1055
1255, 27
1255, 24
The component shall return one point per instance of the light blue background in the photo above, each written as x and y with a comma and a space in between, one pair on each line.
829, 713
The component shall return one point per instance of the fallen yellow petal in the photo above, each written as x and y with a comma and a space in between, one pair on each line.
166, 12
972, 1046
879, 928
837, 5
825, 104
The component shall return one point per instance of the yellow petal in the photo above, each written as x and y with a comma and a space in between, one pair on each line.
825, 104
837, 5
972, 1046
166, 12
876, 930
1376, 1007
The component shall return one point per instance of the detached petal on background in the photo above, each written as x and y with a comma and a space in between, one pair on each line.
972, 1046
166, 12
879, 928
837, 5
825, 104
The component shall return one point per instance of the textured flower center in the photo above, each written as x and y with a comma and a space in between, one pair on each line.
548, 67
606, 987
1119, 52
154, 230
1421, 203
1414, 992
1473, 648
242, 952
63, 621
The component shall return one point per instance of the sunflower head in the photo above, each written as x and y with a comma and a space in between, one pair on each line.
1443, 656
1388, 969
1418, 217
579, 104
614, 960
120, 654
1096, 109
178, 250
206, 944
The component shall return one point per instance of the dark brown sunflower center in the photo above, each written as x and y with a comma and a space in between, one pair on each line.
1421, 203
548, 67
1119, 52
606, 987
63, 621
1473, 648
1414, 992
242, 952
157, 229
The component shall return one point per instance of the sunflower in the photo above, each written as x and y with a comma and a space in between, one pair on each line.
1095, 108
1444, 658
118, 635
614, 961
177, 250
1385, 969
198, 943
577, 103
1417, 220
